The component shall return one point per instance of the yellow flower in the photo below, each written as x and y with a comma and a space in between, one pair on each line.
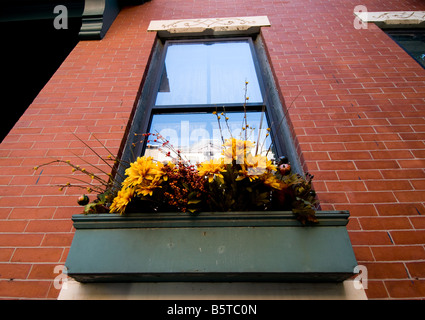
148, 187
250, 173
270, 166
272, 181
212, 168
237, 149
121, 200
144, 168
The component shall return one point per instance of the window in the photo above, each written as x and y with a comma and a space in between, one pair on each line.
208, 72
412, 41
189, 80
199, 78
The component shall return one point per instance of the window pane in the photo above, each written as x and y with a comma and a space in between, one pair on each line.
198, 136
208, 73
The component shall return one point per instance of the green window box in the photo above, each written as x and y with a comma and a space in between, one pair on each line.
244, 246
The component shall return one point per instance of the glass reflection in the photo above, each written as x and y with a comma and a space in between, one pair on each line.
199, 136
208, 73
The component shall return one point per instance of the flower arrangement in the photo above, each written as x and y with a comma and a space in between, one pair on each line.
241, 179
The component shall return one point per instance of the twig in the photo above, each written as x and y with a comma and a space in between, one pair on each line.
281, 120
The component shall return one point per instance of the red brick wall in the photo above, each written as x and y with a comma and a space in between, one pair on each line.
359, 122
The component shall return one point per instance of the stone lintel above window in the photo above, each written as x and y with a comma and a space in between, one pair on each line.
211, 26
389, 18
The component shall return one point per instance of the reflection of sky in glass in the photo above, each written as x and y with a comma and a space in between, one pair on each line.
208, 73
198, 135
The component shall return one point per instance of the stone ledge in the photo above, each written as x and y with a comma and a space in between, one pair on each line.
346, 290
209, 25
393, 17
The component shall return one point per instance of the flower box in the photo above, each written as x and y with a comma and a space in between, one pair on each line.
230, 246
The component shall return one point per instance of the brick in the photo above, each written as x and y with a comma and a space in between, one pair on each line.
49, 226
385, 270
355, 129
341, 138
419, 153
399, 154
377, 164
358, 210
416, 269
405, 288
371, 197
347, 155
333, 197
12, 226
37, 255
413, 136
10, 271
398, 253
400, 209
370, 238
408, 237
384, 223
376, 290
381, 137
388, 185
43, 271
412, 163
418, 222
57, 240
32, 213
365, 146
404, 144
403, 174
24, 289
345, 186
418, 184
6, 254
316, 155
359, 174
20, 239
336, 165
363, 254
410, 196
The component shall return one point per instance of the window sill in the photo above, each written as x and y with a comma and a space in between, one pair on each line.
246, 246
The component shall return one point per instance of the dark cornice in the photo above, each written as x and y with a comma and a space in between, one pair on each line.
97, 17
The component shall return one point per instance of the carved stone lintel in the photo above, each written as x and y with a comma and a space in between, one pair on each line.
211, 25
393, 17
